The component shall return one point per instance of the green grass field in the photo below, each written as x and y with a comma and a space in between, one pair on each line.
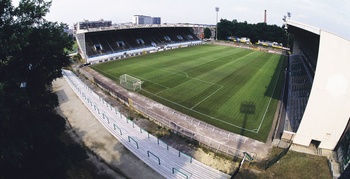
232, 88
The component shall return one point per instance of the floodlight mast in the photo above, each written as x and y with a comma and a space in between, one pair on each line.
289, 15
216, 31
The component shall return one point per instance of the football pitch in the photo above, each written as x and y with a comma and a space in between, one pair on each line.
234, 89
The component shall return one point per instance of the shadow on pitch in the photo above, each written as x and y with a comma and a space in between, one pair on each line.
247, 108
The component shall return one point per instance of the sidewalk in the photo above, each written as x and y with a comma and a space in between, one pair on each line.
97, 138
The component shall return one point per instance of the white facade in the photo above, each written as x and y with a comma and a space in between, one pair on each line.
141, 19
328, 110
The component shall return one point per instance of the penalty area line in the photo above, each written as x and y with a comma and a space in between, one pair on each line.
206, 97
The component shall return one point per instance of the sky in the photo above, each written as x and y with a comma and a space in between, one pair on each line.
330, 15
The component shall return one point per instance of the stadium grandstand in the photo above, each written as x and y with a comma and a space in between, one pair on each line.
317, 94
98, 44
317, 110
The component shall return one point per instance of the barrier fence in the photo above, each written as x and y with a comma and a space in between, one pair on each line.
158, 155
217, 146
202, 139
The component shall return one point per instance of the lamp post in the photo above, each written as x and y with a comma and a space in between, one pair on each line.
216, 31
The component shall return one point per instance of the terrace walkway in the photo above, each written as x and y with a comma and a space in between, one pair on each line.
164, 159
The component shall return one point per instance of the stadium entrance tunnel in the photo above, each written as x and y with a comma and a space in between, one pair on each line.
315, 143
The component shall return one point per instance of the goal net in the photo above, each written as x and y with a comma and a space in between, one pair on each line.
130, 82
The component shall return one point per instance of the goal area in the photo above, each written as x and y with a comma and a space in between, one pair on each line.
130, 82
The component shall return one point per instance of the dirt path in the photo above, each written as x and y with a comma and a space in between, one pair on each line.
86, 128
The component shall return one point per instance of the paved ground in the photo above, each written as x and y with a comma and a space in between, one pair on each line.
99, 140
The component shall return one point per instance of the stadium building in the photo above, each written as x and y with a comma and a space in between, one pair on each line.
141, 19
86, 25
104, 43
317, 112
317, 81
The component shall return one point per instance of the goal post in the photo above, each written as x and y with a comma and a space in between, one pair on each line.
130, 82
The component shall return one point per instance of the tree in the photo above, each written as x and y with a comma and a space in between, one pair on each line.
259, 31
225, 29
31, 57
207, 33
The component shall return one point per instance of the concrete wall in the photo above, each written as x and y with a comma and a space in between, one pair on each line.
328, 110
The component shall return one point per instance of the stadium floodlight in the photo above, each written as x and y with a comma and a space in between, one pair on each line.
130, 82
289, 15
216, 31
